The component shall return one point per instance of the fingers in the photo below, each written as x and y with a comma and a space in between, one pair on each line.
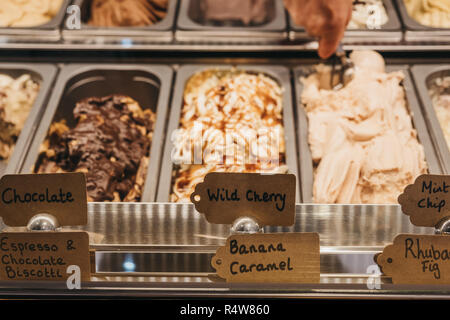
325, 19
333, 31
329, 42
296, 10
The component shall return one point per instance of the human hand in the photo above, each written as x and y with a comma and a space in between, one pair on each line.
325, 19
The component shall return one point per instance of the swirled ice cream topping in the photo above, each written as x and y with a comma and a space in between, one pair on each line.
231, 121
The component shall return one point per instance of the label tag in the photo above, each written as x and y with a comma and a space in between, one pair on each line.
267, 198
277, 257
62, 195
427, 201
44, 255
417, 259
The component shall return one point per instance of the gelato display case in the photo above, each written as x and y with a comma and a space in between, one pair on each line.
119, 99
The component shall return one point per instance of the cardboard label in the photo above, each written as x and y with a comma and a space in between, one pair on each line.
427, 201
417, 259
277, 257
43, 255
62, 195
224, 197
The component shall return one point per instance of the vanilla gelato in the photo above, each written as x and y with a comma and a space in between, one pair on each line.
28, 13
362, 141
441, 104
432, 13
231, 121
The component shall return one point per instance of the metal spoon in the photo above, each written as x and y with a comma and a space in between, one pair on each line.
342, 69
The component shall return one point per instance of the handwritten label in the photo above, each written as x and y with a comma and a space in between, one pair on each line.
43, 255
224, 197
417, 259
427, 201
277, 257
62, 195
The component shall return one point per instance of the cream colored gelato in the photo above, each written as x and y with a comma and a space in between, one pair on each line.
368, 14
16, 99
363, 144
28, 13
432, 13
231, 121
441, 103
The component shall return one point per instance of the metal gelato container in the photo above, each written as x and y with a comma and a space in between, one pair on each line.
279, 74
306, 162
424, 77
161, 31
389, 32
44, 74
149, 85
48, 32
193, 27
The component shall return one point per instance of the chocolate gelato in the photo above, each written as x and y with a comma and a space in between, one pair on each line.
127, 13
247, 12
110, 143
16, 99
28, 13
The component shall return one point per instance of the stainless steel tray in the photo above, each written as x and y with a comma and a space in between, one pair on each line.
147, 84
416, 32
390, 32
306, 163
43, 74
424, 76
190, 30
49, 32
279, 73
158, 32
